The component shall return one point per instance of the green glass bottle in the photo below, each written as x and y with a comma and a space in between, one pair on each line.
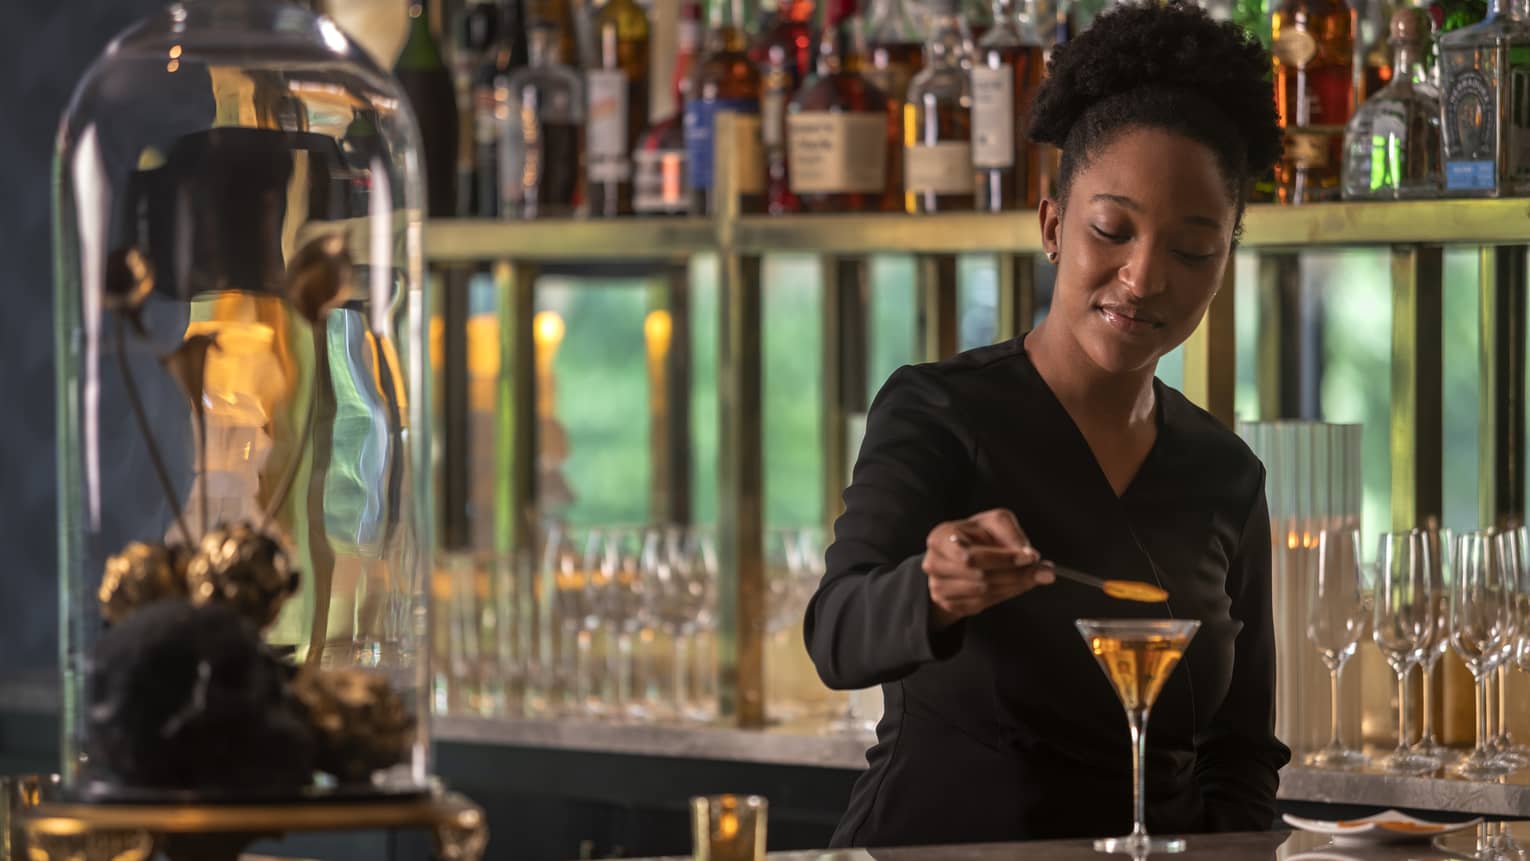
428, 84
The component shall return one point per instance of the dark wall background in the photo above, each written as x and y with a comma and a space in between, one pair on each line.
46, 45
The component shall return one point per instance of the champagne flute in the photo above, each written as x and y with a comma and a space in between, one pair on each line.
1335, 622
1403, 625
1440, 576
1478, 626
1138, 655
1513, 560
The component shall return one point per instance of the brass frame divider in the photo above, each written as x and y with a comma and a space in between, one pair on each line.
1501, 426
1211, 354
1015, 308
937, 280
846, 294
455, 485
1417, 424
740, 474
515, 408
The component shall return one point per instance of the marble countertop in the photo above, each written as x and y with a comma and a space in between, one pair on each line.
1273, 846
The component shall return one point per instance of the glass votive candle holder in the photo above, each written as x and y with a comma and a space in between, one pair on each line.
728, 827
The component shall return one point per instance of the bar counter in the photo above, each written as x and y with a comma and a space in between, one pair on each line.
1270, 846
802, 746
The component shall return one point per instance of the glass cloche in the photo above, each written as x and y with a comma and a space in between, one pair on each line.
240, 314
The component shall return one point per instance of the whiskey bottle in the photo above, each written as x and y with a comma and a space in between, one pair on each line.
837, 127
658, 161
542, 136
784, 54
1392, 145
1485, 75
937, 120
726, 80
1006, 71
507, 54
894, 47
617, 109
1313, 49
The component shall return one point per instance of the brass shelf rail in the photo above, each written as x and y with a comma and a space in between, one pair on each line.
1413, 233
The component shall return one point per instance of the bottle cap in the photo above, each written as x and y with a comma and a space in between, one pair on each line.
1407, 26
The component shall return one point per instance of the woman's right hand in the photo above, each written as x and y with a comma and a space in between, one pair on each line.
975, 563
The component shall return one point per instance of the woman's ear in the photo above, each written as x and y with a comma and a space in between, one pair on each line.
1051, 225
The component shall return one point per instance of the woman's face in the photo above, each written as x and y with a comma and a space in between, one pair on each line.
1142, 243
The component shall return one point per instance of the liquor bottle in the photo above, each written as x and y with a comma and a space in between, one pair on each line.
1485, 72
508, 54
473, 33
1392, 145
1006, 71
1373, 51
618, 104
894, 47
726, 80
784, 53
980, 16
937, 120
542, 135
428, 85
837, 127
1313, 49
658, 161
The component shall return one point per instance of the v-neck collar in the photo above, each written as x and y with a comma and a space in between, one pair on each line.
1160, 422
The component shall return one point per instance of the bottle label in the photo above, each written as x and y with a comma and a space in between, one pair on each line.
658, 185
1470, 131
830, 152
485, 113
1311, 147
993, 116
940, 168
1469, 176
773, 112
700, 122
607, 120
1294, 47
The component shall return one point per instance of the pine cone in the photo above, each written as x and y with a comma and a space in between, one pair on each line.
359, 720
141, 574
244, 568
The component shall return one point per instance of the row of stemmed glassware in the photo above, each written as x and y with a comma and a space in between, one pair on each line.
1431, 591
619, 594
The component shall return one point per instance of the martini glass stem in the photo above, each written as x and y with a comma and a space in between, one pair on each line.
1137, 720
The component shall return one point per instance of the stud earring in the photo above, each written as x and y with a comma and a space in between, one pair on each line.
1052, 256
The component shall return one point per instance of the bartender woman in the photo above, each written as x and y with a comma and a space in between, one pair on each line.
1060, 446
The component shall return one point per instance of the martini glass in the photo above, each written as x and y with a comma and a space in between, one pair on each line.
1138, 655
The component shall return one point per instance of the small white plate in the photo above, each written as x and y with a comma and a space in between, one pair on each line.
1388, 826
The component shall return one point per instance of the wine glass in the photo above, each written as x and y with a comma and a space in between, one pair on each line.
1440, 577
1402, 628
1138, 655
1335, 622
1478, 626
624, 614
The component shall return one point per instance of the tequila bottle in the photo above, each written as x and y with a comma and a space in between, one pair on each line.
1485, 72
1392, 145
726, 80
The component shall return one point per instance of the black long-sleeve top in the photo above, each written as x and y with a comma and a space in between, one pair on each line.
1002, 726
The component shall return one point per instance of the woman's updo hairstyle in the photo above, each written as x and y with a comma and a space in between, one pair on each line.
1168, 67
